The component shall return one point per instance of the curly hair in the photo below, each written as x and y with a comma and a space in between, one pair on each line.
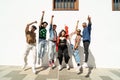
60, 34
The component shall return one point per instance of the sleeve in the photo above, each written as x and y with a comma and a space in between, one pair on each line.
50, 27
89, 26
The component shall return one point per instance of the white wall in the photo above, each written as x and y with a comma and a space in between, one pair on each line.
15, 14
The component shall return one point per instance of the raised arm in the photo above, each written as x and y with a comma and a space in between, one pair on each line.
75, 29
89, 20
77, 26
43, 12
27, 27
51, 22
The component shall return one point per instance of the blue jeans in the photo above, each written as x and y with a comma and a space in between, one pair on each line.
71, 48
51, 50
76, 56
42, 48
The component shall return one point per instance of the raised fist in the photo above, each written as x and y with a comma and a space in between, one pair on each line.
43, 12
89, 17
35, 21
52, 16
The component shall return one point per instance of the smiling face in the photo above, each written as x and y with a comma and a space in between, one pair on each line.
63, 33
44, 24
33, 29
78, 31
84, 24
54, 26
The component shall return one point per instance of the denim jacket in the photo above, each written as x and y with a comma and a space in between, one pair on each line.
87, 33
51, 33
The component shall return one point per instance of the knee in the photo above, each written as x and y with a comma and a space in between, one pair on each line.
60, 56
67, 57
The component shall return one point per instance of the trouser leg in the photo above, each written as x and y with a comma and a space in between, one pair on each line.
27, 50
50, 51
86, 47
34, 55
60, 56
66, 55
77, 57
40, 49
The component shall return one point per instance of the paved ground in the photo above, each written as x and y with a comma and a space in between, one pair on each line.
16, 73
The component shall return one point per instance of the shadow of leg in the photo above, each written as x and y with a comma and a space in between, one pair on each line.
91, 60
41, 69
89, 72
27, 69
81, 70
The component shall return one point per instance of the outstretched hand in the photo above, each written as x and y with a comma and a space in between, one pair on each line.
43, 12
35, 22
89, 18
77, 21
52, 16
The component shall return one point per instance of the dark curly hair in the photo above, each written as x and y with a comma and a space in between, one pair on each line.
44, 22
60, 34
34, 27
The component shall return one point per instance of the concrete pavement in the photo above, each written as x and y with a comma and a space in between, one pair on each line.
46, 73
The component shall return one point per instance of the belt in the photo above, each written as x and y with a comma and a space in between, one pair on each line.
86, 41
53, 41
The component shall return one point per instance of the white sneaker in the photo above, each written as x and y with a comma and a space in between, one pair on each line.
78, 69
40, 65
24, 67
60, 67
85, 65
67, 66
33, 70
53, 66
